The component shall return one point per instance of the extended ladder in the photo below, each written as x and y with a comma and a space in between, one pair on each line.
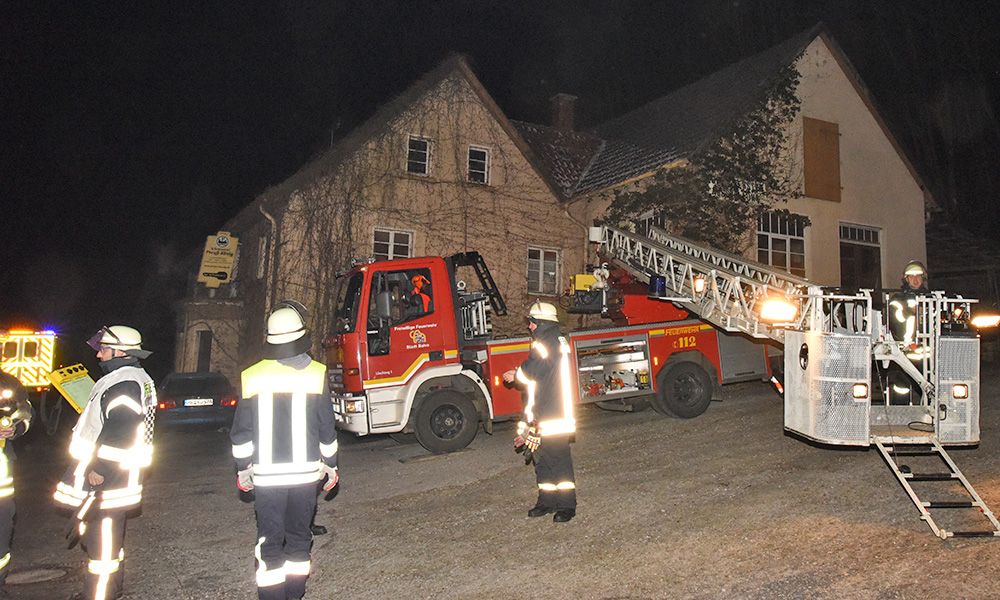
961, 497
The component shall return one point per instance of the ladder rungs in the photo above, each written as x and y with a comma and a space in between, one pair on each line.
949, 504
973, 534
930, 476
930, 452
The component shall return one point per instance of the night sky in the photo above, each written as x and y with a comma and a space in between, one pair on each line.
130, 131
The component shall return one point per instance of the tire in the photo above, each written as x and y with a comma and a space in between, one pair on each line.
684, 390
446, 421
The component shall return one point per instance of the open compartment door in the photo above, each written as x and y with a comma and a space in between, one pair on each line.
821, 371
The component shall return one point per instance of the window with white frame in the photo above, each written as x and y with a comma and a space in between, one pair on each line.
479, 165
391, 244
418, 155
543, 271
860, 257
781, 242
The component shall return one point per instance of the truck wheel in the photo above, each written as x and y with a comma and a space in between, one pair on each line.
446, 421
683, 391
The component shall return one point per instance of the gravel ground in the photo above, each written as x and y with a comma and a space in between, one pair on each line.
721, 506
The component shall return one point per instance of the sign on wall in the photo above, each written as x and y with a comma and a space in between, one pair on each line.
217, 260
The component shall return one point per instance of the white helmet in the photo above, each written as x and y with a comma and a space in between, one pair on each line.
285, 325
543, 311
119, 337
287, 335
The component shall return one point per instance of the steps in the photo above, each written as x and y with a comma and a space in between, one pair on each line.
955, 501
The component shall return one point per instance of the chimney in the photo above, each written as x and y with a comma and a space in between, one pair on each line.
562, 111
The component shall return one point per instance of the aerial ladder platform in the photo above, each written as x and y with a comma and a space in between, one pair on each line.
839, 362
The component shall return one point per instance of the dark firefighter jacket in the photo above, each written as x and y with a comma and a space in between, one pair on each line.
113, 438
284, 427
14, 405
546, 377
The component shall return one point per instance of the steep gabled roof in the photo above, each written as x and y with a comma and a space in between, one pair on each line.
680, 124
276, 197
675, 127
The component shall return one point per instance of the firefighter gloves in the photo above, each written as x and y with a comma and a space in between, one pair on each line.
331, 477
244, 480
532, 440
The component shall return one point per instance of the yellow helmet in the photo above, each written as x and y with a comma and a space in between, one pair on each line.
914, 267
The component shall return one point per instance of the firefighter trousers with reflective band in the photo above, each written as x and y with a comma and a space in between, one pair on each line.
6, 533
284, 540
104, 541
554, 473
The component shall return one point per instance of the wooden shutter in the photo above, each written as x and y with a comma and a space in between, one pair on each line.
821, 147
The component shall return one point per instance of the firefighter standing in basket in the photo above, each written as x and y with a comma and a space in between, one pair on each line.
112, 443
284, 441
903, 327
548, 424
15, 419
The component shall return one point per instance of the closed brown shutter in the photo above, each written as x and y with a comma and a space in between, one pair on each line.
821, 148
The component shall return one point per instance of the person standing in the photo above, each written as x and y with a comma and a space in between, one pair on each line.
15, 419
112, 444
284, 441
903, 324
548, 424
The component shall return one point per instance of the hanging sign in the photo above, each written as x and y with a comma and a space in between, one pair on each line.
217, 260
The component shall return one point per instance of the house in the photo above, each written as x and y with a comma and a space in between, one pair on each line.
438, 170
861, 193
441, 169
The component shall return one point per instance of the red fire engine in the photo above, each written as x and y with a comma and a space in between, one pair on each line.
413, 351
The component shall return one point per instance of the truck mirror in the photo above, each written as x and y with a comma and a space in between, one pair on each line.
383, 305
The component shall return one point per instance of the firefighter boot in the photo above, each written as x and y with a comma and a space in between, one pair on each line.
563, 515
540, 511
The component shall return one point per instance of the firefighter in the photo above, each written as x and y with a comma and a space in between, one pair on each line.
903, 327
284, 442
112, 444
419, 296
548, 424
15, 419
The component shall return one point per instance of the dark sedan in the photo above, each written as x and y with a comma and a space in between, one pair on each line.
185, 398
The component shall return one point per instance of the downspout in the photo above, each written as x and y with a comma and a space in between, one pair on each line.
272, 252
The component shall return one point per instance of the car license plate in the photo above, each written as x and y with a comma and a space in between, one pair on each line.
198, 402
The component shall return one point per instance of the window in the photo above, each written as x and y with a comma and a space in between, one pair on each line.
781, 242
397, 297
860, 257
418, 155
479, 165
391, 244
543, 271
821, 159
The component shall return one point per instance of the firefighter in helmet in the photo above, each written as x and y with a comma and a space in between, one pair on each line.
419, 295
548, 424
284, 442
15, 419
112, 444
903, 327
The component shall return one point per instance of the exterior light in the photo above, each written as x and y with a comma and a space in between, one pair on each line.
699, 285
985, 321
960, 391
778, 310
860, 390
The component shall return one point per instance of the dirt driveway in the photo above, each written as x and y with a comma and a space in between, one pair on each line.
721, 506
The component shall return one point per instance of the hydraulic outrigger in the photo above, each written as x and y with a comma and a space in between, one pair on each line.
832, 344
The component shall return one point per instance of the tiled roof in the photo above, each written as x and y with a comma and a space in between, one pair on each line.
673, 127
564, 154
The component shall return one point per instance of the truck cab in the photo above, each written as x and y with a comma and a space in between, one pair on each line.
395, 353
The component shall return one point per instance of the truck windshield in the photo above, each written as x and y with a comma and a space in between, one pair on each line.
345, 317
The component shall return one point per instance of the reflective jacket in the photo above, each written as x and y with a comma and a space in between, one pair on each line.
14, 405
113, 438
284, 427
546, 377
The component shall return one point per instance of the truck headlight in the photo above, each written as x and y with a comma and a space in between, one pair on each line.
354, 406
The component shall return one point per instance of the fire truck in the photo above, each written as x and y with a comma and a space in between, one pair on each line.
406, 356
422, 358
28, 355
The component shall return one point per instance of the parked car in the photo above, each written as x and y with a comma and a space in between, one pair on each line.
195, 398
